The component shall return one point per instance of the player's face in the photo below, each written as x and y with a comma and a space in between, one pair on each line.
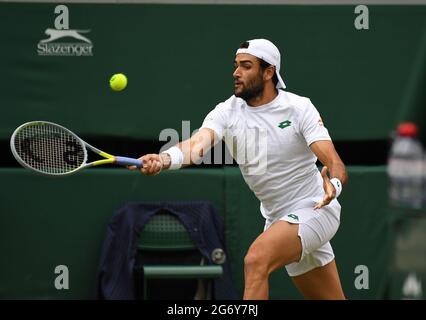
248, 77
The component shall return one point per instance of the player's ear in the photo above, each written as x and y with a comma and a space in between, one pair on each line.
269, 73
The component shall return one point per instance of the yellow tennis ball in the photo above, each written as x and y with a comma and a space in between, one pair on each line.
118, 82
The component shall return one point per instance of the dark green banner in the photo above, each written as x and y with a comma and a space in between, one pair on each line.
179, 63
48, 222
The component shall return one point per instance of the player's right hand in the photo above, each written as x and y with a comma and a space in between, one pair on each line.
152, 164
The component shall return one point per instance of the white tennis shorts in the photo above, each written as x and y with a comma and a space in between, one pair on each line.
316, 228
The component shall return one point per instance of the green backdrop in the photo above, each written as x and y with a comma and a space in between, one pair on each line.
179, 61
46, 222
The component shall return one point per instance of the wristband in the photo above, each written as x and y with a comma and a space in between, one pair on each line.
337, 185
176, 157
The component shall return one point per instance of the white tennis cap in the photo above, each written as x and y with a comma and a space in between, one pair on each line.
268, 52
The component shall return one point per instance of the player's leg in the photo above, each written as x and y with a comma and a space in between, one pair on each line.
315, 275
320, 283
279, 245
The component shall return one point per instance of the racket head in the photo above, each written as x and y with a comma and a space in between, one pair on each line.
48, 148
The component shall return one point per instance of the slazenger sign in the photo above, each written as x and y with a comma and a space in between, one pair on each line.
48, 46
64, 49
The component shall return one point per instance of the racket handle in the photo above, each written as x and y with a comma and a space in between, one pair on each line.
124, 161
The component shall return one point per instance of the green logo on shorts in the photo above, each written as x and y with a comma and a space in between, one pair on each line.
284, 124
293, 216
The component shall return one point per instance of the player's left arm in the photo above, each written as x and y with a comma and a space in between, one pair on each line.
328, 156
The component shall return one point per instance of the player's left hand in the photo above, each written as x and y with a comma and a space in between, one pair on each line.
330, 192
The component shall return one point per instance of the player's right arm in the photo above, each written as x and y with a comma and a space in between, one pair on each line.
193, 150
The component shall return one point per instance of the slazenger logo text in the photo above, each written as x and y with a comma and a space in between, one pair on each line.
50, 47
65, 49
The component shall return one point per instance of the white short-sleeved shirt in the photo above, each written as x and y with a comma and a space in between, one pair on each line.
271, 145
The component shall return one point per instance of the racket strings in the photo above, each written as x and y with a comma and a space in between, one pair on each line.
49, 149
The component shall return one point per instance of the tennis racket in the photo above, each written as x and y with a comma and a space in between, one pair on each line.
51, 149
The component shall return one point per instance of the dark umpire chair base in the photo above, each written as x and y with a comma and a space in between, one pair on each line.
206, 272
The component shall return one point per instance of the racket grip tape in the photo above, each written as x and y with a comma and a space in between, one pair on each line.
124, 161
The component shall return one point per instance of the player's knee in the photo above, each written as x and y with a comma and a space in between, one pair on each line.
256, 261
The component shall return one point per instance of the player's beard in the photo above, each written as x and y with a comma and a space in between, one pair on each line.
253, 88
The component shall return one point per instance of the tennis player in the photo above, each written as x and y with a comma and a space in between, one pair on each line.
276, 138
